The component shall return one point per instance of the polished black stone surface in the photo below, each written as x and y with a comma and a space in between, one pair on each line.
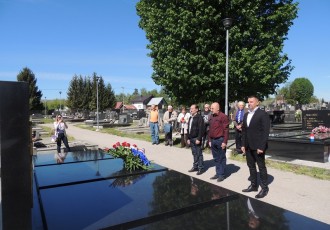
70, 157
298, 145
100, 195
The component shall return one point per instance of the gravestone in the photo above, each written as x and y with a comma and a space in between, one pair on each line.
104, 196
125, 118
16, 153
289, 116
315, 118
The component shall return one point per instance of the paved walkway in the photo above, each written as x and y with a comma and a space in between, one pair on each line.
301, 194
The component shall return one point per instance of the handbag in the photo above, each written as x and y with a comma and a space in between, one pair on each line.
167, 128
54, 138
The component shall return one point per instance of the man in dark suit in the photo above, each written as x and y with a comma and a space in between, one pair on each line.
238, 121
195, 134
255, 132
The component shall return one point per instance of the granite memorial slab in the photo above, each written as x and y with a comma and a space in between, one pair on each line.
314, 118
49, 158
299, 145
100, 195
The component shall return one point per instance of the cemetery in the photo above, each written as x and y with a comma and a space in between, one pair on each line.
91, 190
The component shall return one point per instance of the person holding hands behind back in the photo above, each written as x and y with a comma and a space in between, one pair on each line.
60, 134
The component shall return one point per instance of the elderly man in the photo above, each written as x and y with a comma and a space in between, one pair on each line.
169, 118
238, 122
206, 113
218, 137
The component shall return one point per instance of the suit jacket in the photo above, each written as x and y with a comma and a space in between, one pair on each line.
197, 127
245, 110
256, 135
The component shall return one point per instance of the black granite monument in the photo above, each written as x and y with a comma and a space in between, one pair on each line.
16, 155
94, 192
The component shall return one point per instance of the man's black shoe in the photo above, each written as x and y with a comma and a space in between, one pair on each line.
262, 193
166, 143
220, 178
214, 177
200, 172
250, 189
193, 169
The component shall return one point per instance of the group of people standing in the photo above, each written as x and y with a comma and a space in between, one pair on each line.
210, 128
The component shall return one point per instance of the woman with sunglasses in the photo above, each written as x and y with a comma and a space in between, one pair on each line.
60, 133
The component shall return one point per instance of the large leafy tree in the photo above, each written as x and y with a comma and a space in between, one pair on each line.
35, 94
301, 90
188, 46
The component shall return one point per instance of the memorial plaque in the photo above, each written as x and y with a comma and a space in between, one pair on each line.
315, 118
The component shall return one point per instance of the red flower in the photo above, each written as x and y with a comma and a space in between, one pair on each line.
128, 145
106, 149
114, 146
123, 144
118, 144
134, 145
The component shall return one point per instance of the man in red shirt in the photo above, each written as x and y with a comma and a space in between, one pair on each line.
218, 137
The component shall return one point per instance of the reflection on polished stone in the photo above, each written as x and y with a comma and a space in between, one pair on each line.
100, 194
49, 158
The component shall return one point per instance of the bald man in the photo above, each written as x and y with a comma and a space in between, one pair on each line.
218, 138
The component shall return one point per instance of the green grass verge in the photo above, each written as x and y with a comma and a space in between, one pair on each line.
319, 173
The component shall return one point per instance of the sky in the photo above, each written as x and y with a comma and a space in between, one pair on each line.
58, 39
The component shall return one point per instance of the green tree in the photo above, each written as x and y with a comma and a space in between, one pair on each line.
314, 99
75, 93
188, 46
301, 90
35, 95
82, 94
284, 92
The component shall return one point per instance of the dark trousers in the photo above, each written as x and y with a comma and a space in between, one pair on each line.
184, 138
219, 156
197, 154
61, 137
168, 137
205, 143
252, 157
238, 139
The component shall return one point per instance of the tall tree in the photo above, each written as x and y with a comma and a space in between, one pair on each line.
35, 95
301, 90
82, 94
188, 46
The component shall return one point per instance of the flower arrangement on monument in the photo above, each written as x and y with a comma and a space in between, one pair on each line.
321, 129
134, 158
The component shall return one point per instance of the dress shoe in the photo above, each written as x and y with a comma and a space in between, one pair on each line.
200, 171
220, 178
193, 169
250, 189
262, 193
214, 177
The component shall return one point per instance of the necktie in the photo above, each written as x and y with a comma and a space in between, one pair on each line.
239, 116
